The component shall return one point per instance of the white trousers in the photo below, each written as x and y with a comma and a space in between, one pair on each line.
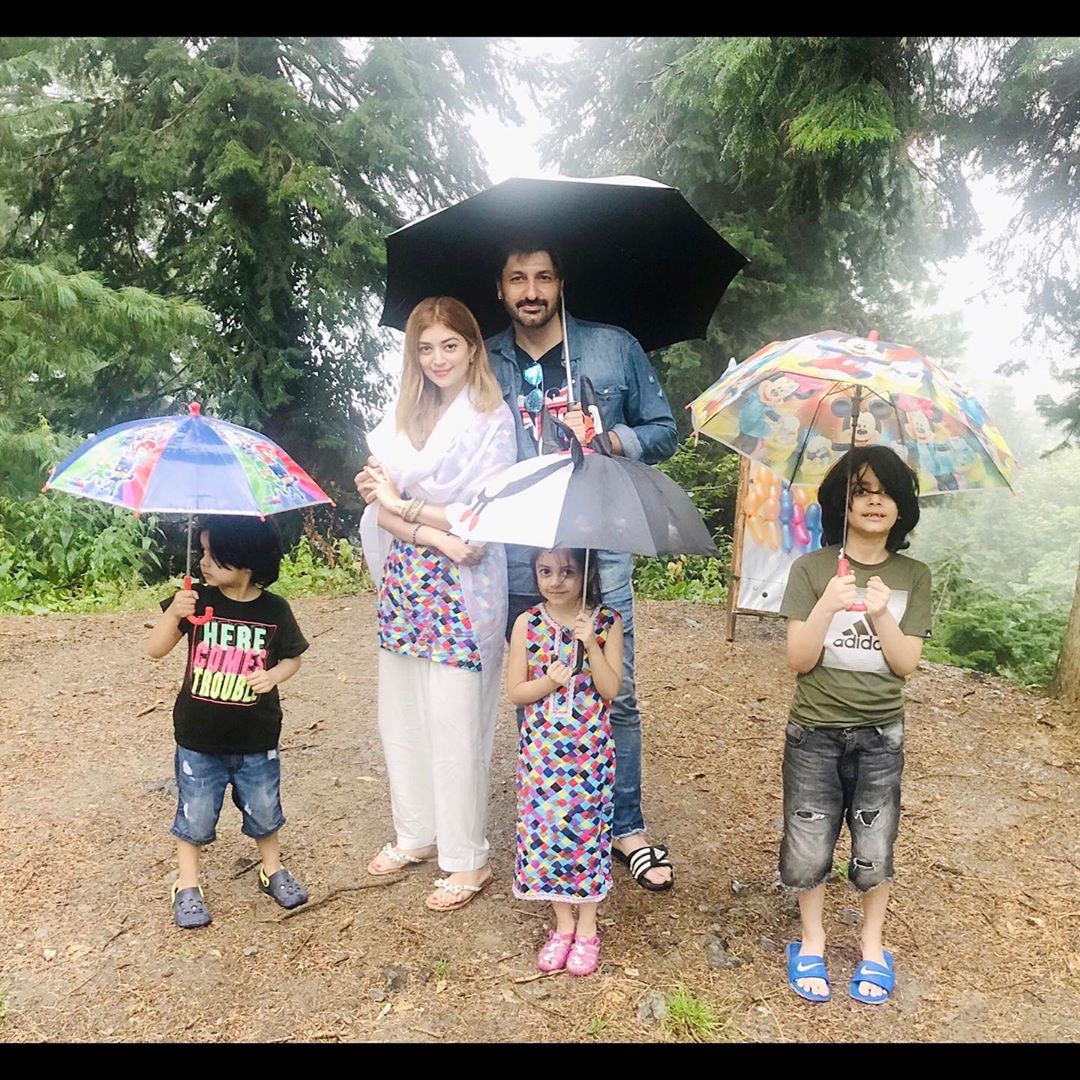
437, 750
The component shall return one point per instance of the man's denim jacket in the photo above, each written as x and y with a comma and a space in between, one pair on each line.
631, 400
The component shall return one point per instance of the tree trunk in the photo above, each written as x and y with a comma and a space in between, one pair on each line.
1066, 684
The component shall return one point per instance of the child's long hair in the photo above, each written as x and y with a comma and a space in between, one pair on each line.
896, 479
577, 557
245, 543
419, 397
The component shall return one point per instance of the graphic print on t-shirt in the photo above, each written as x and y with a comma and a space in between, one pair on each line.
556, 402
224, 652
851, 643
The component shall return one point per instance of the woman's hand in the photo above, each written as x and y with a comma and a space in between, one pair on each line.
559, 673
365, 480
383, 488
584, 631
365, 485
460, 551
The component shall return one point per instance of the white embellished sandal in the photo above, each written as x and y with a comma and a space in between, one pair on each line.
399, 858
464, 894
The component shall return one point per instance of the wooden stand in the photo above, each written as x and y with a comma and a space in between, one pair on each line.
733, 609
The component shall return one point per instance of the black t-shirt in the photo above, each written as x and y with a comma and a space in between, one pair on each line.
216, 712
553, 389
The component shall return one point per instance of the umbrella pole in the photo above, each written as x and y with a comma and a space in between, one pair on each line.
187, 565
579, 649
566, 351
843, 568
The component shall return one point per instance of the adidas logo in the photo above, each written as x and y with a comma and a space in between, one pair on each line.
858, 636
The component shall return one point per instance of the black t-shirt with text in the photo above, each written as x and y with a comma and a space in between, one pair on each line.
216, 711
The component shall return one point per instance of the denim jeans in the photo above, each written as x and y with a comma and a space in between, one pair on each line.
617, 592
833, 773
201, 780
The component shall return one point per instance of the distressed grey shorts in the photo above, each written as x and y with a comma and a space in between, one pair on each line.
833, 773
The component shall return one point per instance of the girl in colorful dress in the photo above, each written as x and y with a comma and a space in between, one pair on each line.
566, 754
442, 601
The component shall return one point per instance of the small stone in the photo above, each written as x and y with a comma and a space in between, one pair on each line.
718, 957
377, 995
747, 826
768, 944
607, 969
251, 950
424, 975
721, 743
396, 978
711, 909
653, 1006
737, 887
49, 954
849, 917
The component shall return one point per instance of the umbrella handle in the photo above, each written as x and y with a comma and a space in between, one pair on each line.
842, 570
206, 616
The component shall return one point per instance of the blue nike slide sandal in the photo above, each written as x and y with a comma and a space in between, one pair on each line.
869, 972
806, 967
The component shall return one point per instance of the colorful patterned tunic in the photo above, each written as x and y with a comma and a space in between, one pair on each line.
422, 609
565, 776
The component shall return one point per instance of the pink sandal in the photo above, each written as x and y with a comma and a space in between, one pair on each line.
552, 956
584, 957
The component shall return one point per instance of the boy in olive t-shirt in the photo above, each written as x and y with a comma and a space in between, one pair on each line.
843, 754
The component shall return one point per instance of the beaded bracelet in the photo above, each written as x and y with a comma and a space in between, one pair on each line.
415, 531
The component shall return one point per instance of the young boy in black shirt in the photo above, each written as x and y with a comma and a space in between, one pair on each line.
242, 643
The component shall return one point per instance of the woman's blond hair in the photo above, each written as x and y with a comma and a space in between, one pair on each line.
415, 413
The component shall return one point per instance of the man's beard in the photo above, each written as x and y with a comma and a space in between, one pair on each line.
540, 319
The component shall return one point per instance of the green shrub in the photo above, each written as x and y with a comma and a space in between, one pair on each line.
54, 549
336, 568
709, 473
1013, 632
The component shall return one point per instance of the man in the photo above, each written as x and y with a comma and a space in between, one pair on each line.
527, 359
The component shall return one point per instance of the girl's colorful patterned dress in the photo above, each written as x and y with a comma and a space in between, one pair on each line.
565, 775
422, 609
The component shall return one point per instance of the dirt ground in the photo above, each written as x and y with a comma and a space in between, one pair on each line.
984, 921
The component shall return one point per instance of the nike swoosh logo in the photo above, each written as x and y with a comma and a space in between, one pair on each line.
804, 967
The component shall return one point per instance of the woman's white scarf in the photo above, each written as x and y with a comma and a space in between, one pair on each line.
463, 452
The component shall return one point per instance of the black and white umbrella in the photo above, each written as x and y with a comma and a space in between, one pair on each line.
587, 499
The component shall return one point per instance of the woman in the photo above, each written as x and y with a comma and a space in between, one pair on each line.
442, 602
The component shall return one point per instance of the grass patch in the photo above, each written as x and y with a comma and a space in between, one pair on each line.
688, 1018
597, 1026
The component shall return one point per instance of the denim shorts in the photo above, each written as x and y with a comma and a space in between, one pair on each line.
832, 774
201, 780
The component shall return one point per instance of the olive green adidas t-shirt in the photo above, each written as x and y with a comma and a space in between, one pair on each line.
852, 683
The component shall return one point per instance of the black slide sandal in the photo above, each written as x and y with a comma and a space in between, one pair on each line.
643, 859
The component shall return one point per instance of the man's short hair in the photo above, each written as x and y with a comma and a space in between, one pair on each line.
526, 245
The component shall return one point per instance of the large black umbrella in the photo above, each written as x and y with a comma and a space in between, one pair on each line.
635, 254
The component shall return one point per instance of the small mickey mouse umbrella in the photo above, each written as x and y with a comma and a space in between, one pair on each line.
186, 464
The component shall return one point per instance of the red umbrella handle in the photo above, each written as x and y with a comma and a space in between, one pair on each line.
206, 616
842, 570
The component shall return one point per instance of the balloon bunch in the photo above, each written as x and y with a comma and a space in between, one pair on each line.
779, 515
800, 520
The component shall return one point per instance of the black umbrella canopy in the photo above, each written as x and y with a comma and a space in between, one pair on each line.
634, 252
